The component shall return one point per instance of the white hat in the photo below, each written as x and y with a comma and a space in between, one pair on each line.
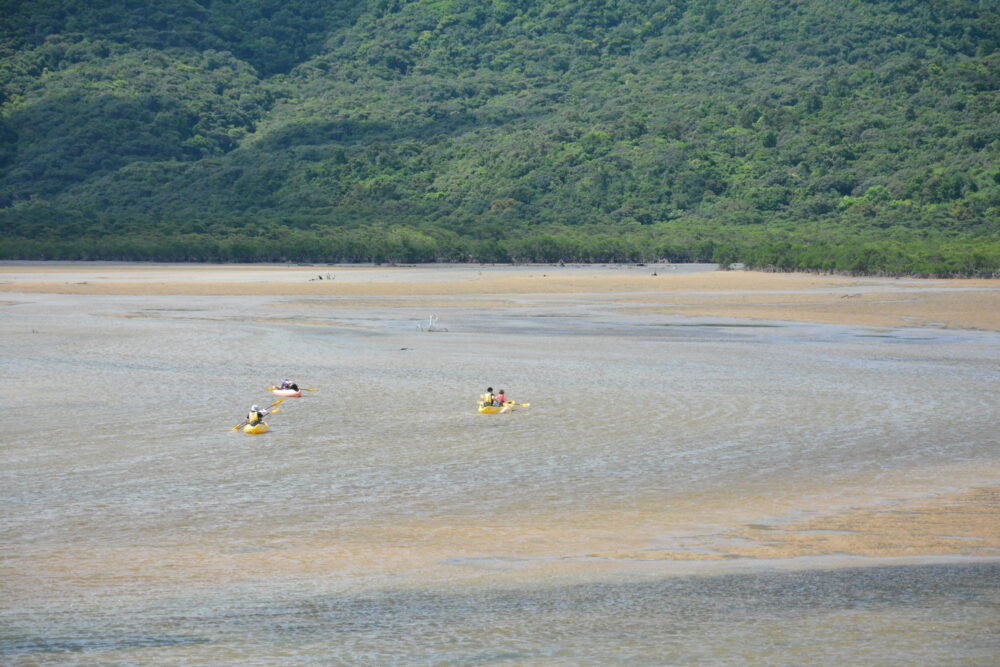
254, 408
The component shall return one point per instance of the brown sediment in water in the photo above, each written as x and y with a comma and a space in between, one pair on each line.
964, 524
876, 302
959, 524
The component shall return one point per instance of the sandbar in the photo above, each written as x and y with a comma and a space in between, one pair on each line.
666, 289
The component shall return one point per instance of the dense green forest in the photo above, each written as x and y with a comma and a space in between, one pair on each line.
848, 135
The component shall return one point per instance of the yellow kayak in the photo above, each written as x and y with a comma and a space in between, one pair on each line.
262, 427
494, 409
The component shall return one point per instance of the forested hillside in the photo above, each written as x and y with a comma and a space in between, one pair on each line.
853, 135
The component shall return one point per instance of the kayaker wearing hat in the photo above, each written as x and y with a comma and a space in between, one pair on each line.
256, 415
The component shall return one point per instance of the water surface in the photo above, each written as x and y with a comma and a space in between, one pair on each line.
384, 521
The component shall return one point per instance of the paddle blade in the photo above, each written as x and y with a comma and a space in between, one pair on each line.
310, 389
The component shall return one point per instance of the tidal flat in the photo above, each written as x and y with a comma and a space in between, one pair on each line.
730, 467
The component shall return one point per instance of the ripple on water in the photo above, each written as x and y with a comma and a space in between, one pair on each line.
91, 643
928, 614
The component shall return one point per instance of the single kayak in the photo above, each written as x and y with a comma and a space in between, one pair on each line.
287, 393
262, 427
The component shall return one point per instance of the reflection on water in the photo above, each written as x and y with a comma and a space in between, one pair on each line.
382, 520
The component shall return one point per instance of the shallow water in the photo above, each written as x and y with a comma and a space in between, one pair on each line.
383, 521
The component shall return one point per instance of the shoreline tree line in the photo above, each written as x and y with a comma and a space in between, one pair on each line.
851, 136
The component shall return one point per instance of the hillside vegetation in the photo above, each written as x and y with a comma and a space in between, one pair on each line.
851, 135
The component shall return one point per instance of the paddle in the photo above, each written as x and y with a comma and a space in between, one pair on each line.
302, 389
270, 411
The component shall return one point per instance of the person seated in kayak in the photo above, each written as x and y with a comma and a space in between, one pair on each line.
256, 415
488, 396
500, 398
288, 384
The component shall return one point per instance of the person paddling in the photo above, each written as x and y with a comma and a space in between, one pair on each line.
500, 398
488, 396
288, 384
256, 415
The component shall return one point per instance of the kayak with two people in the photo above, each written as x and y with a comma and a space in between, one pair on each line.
490, 403
288, 389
